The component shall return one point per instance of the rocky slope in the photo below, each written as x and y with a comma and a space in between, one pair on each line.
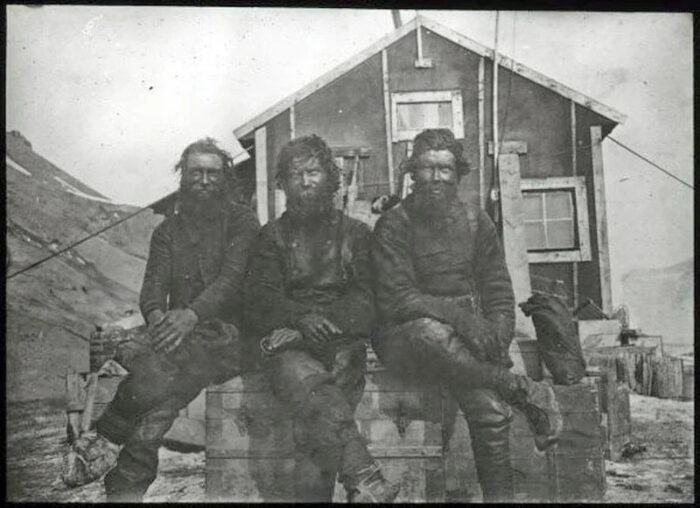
51, 309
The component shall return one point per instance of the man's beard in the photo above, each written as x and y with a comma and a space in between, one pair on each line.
312, 204
200, 206
432, 206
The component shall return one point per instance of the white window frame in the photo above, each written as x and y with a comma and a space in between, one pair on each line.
578, 184
453, 96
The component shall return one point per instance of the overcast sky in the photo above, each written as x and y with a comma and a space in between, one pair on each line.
113, 94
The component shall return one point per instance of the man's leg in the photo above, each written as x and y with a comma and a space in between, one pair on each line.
489, 417
323, 417
430, 350
177, 378
137, 464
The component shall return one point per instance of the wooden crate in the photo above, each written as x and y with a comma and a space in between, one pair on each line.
615, 407
575, 471
250, 448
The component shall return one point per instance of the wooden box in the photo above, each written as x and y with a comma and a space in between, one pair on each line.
250, 448
574, 471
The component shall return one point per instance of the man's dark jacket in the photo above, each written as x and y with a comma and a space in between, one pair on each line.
432, 268
199, 263
318, 267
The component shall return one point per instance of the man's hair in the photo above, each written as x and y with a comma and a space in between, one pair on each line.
207, 145
436, 139
306, 148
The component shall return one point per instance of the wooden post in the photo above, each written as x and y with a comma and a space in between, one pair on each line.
387, 122
601, 218
261, 174
89, 401
74, 404
514, 244
574, 162
482, 146
292, 122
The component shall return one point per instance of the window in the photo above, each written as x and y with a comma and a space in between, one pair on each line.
414, 111
555, 215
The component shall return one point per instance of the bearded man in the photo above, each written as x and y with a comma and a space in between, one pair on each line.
190, 300
309, 298
447, 309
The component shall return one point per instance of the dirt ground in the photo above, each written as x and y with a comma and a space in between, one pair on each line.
663, 472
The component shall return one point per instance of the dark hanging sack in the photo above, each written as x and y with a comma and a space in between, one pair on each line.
557, 338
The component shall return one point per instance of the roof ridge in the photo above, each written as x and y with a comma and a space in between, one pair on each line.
446, 33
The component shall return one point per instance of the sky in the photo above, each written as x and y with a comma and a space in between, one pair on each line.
113, 94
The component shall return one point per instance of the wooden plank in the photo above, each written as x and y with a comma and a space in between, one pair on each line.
667, 377
514, 240
249, 480
261, 188
89, 401
482, 146
74, 405
292, 121
387, 122
601, 218
523, 70
574, 162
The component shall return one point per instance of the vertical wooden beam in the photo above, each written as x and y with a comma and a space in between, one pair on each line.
514, 245
387, 122
261, 189
482, 146
292, 122
574, 265
601, 221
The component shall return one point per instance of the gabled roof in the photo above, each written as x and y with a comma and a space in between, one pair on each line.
448, 34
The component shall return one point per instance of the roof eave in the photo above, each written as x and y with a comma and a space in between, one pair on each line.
449, 34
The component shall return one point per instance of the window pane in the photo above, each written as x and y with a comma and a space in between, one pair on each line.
444, 114
532, 206
559, 205
423, 115
534, 235
560, 234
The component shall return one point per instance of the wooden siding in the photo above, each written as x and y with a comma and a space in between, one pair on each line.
350, 112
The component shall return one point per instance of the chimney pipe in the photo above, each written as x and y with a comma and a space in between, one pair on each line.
396, 16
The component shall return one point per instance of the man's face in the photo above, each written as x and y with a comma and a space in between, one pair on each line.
435, 173
203, 175
305, 179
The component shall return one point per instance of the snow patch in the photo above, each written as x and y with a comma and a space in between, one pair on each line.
76, 192
17, 167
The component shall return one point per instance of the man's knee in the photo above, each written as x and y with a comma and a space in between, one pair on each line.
485, 408
151, 380
295, 375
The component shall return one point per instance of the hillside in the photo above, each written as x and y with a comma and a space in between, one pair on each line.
661, 302
52, 308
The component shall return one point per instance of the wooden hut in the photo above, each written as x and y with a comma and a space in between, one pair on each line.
423, 74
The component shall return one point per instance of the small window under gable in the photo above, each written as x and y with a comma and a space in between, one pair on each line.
555, 216
411, 112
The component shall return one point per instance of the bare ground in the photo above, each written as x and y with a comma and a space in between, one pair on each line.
664, 472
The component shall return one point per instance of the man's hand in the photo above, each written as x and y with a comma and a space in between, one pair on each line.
317, 328
173, 328
279, 338
154, 317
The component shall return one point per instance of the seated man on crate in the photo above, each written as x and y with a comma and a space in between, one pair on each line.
309, 300
447, 309
189, 299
